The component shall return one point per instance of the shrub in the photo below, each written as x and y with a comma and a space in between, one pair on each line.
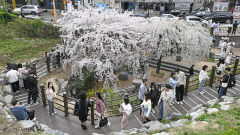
37, 28
10, 17
85, 84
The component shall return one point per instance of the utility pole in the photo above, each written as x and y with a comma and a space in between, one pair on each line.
54, 12
14, 4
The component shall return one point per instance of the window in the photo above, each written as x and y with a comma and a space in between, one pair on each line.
88, 1
170, 16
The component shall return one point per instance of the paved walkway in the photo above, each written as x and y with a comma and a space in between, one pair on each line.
72, 126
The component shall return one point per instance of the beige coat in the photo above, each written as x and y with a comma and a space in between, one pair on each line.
166, 97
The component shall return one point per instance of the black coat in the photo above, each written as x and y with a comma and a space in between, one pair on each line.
83, 110
31, 84
154, 93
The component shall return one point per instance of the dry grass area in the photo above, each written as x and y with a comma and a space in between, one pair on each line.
164, 78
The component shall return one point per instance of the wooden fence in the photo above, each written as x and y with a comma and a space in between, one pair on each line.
66, 104
193, 81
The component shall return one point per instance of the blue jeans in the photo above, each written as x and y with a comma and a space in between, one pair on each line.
51, 107
161, 109
221, 92
201, 85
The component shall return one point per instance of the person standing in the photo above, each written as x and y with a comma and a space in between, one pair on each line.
220, 71
154, 95
229, 28
173, 82
51, 94
142, 91
180, 88
203, 76
12, 77
25, 74
20, 77
234, 43
126, 109
83, 109
146, 107
191, 71
100, 107
53, 58
164, 102
31, 86
226, 83
213, 25
235, 25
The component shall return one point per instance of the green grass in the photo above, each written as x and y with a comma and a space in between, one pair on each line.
154, 74
18, 47
226, 123
211, 60
217, 106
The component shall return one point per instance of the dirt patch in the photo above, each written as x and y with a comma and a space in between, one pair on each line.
59, 73
202, 63
155, 79
236, 51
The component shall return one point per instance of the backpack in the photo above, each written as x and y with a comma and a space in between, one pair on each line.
232, 81
76, 108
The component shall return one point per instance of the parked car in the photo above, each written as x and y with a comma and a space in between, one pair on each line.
177, 12
28, 9
140, 14
222, 17
197, 19
169, 16
202, 14
200, 9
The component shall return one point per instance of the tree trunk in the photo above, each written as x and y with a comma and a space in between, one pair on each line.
159, 64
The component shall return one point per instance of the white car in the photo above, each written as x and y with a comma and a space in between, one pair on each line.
197, 19
28, 9
169, 16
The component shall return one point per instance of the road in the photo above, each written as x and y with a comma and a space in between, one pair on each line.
48, 17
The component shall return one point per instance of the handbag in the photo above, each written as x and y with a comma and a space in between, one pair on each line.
224, 85
103, 122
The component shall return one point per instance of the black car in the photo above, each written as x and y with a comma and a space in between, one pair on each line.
222, 17
177, 12
202, 14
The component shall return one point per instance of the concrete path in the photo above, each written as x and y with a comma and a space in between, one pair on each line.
72, 125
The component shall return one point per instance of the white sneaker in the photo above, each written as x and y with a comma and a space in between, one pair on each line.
96, 127
178, 103
181, 102
29, 105
34, 119
171, 104
202, 93
153, 111
109, 124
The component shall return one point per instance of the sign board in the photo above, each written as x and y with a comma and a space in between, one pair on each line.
69, 5
182, 5
220, 6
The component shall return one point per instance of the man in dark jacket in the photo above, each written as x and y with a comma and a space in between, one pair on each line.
31, 86
225, 83
235, 25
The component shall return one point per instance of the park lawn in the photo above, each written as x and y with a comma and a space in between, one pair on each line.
19, 48
220, 123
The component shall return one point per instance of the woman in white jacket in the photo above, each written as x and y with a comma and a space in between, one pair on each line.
126, 109
164, 102
146, 107
203, 76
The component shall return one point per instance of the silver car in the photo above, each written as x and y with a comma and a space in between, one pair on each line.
28, 9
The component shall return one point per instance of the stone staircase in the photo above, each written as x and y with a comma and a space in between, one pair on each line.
195, 99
